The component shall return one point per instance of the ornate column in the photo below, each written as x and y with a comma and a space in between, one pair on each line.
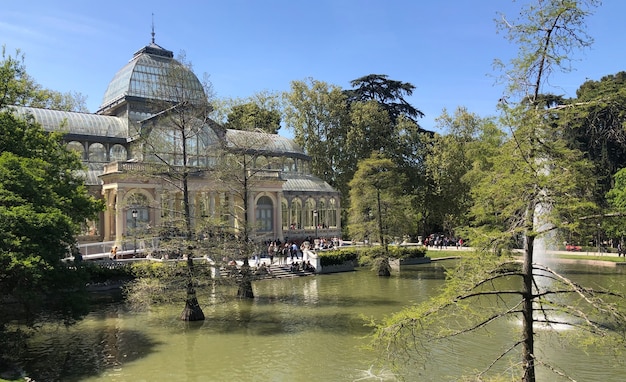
278, 216
231, 210
108, 212
120, 222
212, 204
251, 216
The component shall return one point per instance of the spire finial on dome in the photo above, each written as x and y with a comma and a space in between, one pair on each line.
153, 27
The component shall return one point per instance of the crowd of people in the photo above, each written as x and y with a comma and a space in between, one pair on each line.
442, 241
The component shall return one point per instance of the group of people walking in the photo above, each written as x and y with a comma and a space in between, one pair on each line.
283, 252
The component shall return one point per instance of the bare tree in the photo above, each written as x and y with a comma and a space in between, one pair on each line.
175, 143
247, 163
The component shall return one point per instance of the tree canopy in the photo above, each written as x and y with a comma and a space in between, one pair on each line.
389, 94
18, 88
524, 190
379, 208
339, 128
43, 201
594, 122
250, 116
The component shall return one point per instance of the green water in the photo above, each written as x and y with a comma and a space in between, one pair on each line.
302, 329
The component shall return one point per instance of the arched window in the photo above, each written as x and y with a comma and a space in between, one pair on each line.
332, 213
308, 213
276, 163
261, 162
285, 218
138, 203
289, 165
296, 213
97, 153
117, 153
322, 213
265, 214
224, 208
78, 147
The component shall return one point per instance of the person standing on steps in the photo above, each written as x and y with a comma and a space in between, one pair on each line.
270, 253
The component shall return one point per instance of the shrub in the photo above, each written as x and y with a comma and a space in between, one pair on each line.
337, 257
99, 274
367, 256
403, 252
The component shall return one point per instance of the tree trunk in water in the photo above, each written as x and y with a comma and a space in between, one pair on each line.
245, 283
192, 311
528, 352
384, 269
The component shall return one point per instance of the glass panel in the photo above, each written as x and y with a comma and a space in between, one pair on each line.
265, 214
308, 213
332, 211
78, 147
296, 213
97, 153
285, 211
118, 153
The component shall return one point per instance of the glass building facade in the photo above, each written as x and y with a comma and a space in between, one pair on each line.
285, 201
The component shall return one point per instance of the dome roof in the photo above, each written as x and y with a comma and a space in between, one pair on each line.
154, 74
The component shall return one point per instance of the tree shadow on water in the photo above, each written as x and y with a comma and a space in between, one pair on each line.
77, 353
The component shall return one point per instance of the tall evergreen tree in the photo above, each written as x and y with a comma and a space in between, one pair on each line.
534, 185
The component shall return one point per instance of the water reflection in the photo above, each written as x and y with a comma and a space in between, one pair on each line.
302, 329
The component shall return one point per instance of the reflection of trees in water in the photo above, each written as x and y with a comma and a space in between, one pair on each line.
88, 349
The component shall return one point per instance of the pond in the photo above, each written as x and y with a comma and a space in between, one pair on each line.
300, 329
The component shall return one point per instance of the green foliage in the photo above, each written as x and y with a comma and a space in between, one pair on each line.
317, 113
617, 195
42, 204
99, 273
594, 122
532, 183
340, 128
379, 209
156, 283
18, 88
365, 256
406, 252
251, 117
389, 94
448, 159
546, 32
337, 257
483, 289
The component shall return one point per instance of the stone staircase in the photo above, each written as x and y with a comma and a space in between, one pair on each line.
277, 272
284, 271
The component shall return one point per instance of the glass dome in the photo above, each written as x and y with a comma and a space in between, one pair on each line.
154, 74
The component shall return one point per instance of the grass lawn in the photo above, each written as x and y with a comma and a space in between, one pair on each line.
609, 257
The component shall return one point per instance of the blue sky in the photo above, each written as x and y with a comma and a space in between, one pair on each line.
445, 48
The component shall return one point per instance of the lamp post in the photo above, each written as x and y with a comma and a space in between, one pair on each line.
135, 233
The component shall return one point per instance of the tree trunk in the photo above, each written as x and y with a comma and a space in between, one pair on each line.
192, 311
245, 283
527, 312
384, 269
